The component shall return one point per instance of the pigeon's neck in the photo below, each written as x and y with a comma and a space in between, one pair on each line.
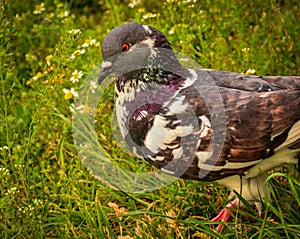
147, 77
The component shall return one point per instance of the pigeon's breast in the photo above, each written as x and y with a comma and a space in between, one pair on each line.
136, 106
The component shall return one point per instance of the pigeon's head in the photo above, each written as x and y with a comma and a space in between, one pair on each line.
129, 46
132, 35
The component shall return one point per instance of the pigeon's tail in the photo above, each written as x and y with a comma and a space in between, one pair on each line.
283, 82
291, 86
293, 140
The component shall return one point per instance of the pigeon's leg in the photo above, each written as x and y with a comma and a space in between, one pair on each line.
251, 189
259, 208
225, 214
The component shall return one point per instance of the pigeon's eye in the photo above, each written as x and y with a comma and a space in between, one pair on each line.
125, 47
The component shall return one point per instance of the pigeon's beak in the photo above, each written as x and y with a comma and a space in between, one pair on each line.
105, 71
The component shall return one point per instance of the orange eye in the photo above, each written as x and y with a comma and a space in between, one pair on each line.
125, 47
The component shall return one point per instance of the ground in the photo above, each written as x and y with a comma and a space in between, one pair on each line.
47, 49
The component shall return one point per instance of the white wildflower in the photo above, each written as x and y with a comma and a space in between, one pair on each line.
76, 75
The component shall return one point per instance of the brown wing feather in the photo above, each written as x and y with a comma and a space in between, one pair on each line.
260, 112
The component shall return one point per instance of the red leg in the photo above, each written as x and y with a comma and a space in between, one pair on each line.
225, 215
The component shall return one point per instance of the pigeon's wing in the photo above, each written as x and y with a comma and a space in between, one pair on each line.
260, 115
277, 95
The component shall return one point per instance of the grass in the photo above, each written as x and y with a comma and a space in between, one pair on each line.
46, 191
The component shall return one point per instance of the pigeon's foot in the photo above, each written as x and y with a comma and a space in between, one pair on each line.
228, 211
226, 214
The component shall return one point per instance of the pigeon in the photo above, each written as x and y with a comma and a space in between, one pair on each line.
201, 124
